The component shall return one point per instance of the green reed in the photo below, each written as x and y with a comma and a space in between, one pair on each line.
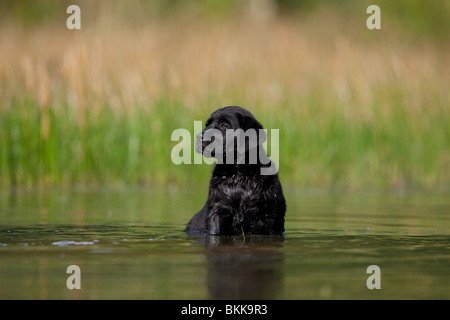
397, 150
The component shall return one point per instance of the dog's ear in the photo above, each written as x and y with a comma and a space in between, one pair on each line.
249, 122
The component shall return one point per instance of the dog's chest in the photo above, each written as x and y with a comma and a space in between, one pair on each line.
238, 189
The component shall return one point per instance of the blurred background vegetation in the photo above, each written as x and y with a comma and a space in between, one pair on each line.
355, 107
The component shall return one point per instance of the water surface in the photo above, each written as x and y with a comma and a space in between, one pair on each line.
129, 244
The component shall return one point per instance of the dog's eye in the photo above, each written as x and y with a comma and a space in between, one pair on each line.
224, 125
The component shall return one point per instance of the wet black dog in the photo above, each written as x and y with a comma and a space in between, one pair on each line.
241, 199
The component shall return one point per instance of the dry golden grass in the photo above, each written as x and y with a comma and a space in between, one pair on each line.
260, 64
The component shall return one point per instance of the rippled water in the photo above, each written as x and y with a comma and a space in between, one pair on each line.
129, 244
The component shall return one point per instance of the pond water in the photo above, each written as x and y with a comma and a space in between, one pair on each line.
129, 244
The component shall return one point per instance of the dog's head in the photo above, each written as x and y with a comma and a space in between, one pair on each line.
230, 134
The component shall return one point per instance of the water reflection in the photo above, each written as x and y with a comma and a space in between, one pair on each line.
130, 245
243, 268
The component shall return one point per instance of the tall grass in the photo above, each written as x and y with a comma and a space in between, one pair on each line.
354, 108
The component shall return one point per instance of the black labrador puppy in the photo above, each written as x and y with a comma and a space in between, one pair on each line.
245, 195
